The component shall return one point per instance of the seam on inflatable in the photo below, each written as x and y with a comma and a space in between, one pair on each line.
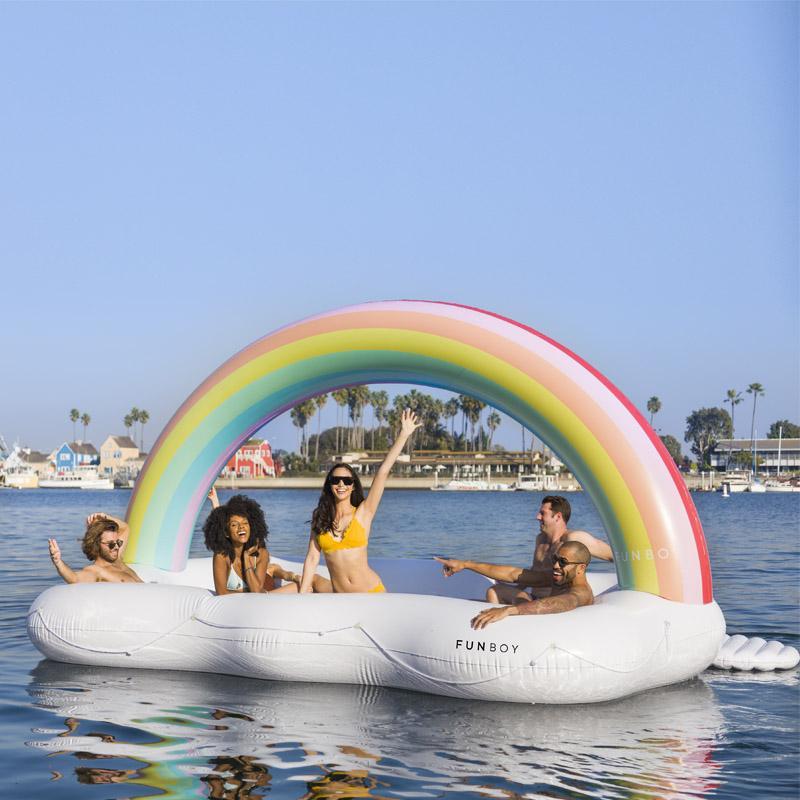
128, 651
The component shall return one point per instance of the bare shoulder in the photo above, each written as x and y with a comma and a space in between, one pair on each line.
583, 594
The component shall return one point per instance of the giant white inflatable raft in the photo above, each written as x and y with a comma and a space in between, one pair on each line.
417, 636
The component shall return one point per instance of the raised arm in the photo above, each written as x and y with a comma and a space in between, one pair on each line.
67, 573
408, 424
597, 547
497, 572
213, 497
310, 565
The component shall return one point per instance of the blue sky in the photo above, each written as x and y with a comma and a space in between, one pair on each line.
176, 180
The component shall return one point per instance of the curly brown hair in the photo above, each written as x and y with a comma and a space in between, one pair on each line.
90, 544
215, 528
325, 512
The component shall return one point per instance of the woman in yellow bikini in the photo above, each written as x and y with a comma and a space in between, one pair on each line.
342, 519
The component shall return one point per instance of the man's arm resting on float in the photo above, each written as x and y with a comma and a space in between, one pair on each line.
548, 605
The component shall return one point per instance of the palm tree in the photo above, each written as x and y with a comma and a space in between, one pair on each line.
74, 416
127, 421
492, 423
144, 417
449, 412
85, 420
299, 421
134, 416
379, 401
734, 398
340, 398
754, 389
319, 402
653, 406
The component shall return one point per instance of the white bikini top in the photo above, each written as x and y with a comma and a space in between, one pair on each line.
234, 581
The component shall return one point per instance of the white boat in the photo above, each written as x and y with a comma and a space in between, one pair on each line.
19, 478
781, 486
537, 483
79, 479
472, 485
756, 487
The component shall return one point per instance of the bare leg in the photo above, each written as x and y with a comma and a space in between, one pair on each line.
506, 594
321, 584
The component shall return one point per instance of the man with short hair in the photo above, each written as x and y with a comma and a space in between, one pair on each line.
570, 589
514, 582
102, 544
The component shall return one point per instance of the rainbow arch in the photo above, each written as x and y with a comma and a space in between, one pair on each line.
647, 512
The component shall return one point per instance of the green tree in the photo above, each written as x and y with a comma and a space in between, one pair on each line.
493, 423
450, 412
673, 448
127, 421
379, 400
319, 402
734, 398
653, 406
340, 398
757, 390
790, 430
144, 418
74, 416
357, 399
704, 428
85, 420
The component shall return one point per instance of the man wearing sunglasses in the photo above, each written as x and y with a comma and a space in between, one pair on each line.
570, 589
514, 583
102, 544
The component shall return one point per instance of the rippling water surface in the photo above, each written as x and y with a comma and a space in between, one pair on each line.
155, 733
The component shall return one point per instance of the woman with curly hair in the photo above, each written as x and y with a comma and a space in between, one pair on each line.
342, 520
236, 533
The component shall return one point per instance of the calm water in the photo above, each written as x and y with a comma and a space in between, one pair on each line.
151, 733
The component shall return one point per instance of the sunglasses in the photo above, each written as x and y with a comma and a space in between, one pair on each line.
113, 544
347, 481
562, 562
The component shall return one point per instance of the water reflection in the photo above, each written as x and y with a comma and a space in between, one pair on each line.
221, 737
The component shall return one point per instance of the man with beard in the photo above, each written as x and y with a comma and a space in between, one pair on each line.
514, 582
570, 589
102, 544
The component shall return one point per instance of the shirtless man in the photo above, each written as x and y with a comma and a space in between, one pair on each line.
103, 543
570, 589
553, 516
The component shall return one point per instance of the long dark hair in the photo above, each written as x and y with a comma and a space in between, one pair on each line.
215, 527
325, 512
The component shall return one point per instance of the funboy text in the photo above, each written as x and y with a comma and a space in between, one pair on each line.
489, 647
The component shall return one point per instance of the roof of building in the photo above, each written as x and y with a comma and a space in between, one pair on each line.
761, 444
124, 441
33, 457
84, 448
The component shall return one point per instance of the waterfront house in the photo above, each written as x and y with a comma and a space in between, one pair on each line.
116, 451
72, 455
253, 460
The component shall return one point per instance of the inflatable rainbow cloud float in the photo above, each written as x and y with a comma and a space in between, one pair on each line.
658, 625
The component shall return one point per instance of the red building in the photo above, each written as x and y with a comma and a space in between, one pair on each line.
253, 460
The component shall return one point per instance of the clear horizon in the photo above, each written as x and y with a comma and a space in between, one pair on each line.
181, 179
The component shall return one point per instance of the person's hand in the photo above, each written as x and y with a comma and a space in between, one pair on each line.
252, 552
409, 422
55, 551
450, 565
212, 496
490, 615
92, 517
293, 577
